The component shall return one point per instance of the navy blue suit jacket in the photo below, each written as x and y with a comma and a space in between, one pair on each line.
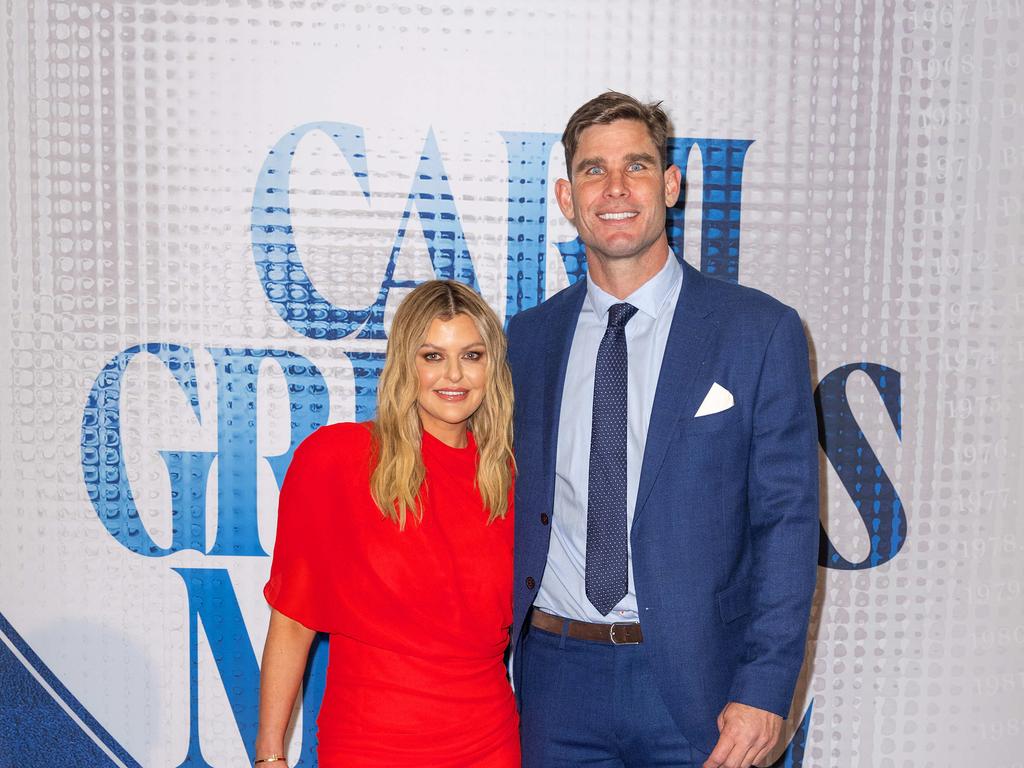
725, 534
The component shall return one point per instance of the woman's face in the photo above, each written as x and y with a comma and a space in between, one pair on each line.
452, 367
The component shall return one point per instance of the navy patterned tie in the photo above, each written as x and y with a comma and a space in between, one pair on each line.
607, 566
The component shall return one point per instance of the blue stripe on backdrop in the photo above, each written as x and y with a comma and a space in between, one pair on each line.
33, 724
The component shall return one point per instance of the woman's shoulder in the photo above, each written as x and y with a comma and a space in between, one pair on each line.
345, 439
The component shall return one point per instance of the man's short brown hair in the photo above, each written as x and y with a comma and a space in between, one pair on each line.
609, 107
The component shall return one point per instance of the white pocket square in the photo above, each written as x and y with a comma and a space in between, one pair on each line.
717, 399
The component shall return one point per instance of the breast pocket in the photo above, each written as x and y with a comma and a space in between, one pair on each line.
713, 422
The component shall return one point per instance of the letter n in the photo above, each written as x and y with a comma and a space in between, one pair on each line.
212, 601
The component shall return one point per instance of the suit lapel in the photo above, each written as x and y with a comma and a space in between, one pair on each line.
561, 327
689, 339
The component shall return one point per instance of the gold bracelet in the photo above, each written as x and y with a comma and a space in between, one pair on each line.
269, 759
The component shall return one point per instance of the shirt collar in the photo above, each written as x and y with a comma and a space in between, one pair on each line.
650, 298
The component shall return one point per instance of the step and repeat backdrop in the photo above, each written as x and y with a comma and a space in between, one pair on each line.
210, 209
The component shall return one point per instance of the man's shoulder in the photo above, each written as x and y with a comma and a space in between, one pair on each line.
526, 322
742, 304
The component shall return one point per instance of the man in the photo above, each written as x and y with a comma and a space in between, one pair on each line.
666, 500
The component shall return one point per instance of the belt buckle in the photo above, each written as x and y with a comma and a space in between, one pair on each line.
611, 633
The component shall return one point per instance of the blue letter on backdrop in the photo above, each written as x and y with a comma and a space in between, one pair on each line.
720, 205
858, 467
280, 268
528, 155
103, 467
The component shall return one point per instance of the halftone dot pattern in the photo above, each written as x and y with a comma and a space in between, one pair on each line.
881, 197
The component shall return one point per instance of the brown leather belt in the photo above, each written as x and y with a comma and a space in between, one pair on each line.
622, 633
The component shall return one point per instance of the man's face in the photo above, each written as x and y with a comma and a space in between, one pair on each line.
618, 193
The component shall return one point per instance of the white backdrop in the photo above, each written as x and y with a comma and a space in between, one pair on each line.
150, 258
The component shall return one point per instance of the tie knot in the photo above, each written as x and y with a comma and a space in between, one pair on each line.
619, 314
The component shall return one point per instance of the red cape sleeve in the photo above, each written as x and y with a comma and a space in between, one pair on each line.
309, 517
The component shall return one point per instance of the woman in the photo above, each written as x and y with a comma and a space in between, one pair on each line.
396, 538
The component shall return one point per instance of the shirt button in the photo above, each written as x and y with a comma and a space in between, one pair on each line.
530, 583
544, 518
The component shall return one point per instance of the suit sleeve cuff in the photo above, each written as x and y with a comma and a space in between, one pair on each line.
762, 691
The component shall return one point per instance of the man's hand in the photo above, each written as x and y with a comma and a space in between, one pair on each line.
747, 735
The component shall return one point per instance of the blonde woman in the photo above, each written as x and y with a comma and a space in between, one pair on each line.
396, 538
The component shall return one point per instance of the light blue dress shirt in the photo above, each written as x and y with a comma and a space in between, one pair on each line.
563, 589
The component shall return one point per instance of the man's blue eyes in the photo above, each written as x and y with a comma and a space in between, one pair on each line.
595, 170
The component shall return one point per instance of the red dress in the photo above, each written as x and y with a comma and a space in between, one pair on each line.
418, 618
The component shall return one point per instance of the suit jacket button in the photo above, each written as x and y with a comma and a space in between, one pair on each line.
530, 583
544, 518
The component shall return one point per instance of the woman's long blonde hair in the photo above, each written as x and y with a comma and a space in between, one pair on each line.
396, 480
